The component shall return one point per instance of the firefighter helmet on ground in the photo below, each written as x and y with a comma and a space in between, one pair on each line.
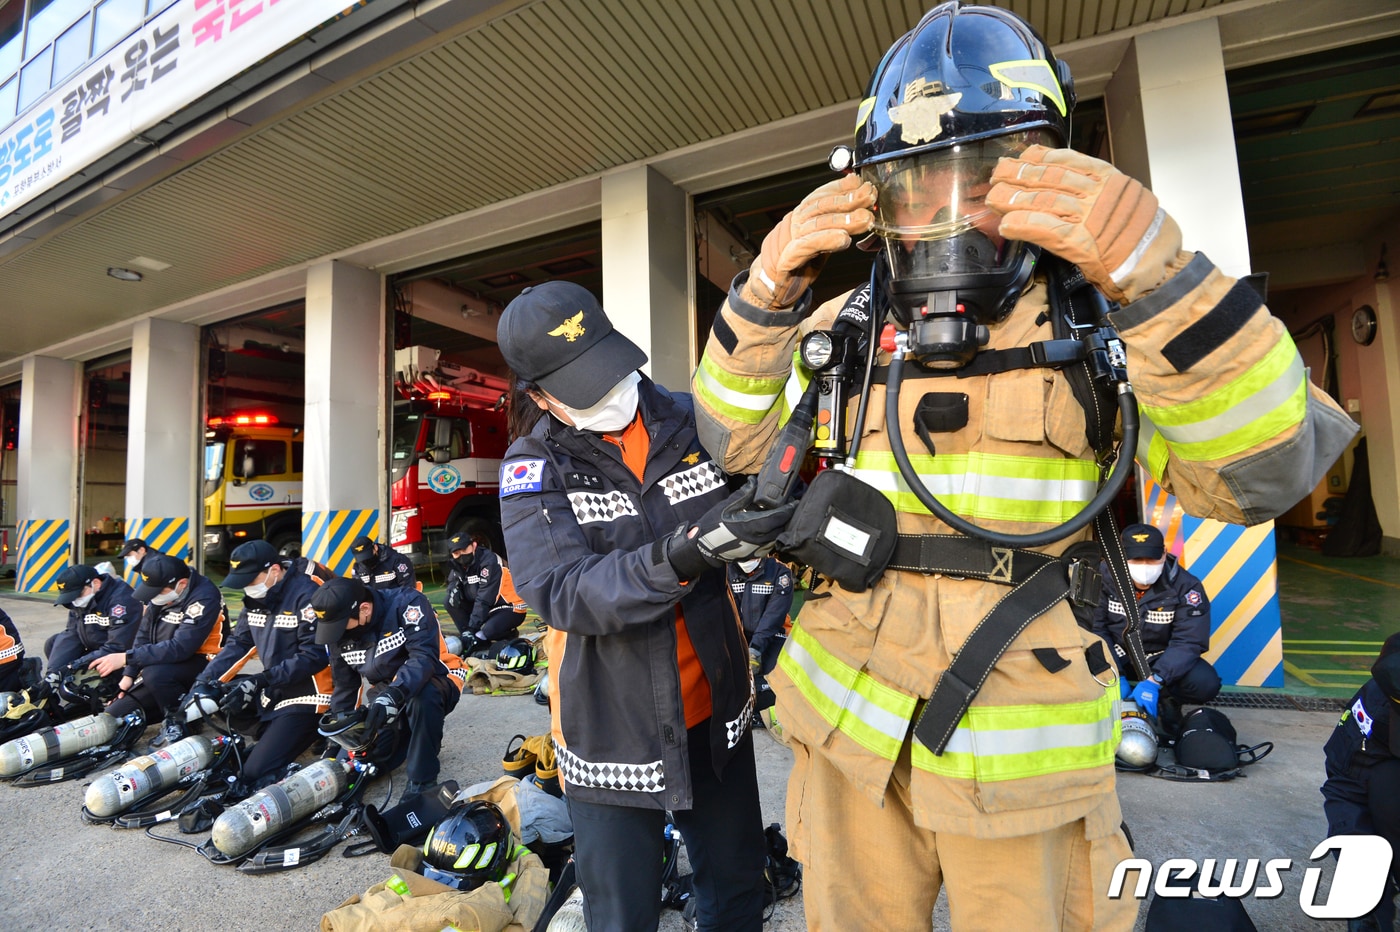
470, 847
518, 656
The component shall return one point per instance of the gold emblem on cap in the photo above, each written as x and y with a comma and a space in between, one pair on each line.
1140, 538
920, 116
319, 613
692, 459
570, 329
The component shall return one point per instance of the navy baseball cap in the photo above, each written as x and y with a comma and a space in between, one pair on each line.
1143, 542
247, 561
132, 543
557, 336
363, 548
72, 581
333, 604
158, 573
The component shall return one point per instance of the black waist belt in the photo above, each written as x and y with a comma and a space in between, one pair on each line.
1039, 581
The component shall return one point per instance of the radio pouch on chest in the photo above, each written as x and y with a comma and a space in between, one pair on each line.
844, 529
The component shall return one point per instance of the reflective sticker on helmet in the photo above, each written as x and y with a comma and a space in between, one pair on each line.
1034, 74
920, 116
469, 854
487, 854
863, 112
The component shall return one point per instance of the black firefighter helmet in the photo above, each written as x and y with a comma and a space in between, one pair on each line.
470, 847
963, 88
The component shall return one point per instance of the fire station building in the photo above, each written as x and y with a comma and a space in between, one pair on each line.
253, 252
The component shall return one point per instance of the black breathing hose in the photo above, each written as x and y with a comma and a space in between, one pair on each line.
1127, 406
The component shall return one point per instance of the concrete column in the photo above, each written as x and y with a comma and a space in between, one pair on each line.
1169, 127
646, 270
164, 437
47, 470
343, 480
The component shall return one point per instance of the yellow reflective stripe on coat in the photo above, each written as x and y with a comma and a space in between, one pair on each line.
996, 743
735, 396
987, 485
1268, 400
1152, 449
873, 715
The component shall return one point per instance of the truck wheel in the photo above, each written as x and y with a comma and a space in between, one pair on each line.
288, 545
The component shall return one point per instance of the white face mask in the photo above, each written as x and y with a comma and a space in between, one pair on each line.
82, 600
131, 560
612, 412
259, 590
1145, 574
165, 598
748, 566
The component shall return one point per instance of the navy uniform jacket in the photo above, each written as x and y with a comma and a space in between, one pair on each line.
399, 647
585, 539
280, 629
1360, 741
391, 570
1175, 622
477, 585
764, 599
106, 625
176, 632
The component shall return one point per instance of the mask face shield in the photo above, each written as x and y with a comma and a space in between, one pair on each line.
936, 230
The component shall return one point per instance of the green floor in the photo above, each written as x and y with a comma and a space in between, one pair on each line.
1336, 613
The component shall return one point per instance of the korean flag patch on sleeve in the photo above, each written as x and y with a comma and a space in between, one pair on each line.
522, 476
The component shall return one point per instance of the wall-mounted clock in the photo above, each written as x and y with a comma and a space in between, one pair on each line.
1363, 324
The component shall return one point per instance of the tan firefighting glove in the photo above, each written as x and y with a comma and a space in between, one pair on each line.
1086, 211
794, 251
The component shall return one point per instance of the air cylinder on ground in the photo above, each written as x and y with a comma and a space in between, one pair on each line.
132, 782
243, 826
56, 743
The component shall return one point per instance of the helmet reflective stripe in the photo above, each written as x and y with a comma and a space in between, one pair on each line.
1265, 402
873, 715
1035, 74
1014, 742
468, 856
1027, 488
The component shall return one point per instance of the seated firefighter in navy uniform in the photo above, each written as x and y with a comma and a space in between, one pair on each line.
103, 615
380, 566
183, 626
481, 598
1175, 614
389, 639
1363, 773
763, 590
278, 627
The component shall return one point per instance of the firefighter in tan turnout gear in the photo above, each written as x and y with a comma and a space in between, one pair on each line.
995, 777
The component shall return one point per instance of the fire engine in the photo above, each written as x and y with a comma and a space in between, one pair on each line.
252, 484
449, 437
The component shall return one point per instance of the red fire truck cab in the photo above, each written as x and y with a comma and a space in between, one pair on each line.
448, 440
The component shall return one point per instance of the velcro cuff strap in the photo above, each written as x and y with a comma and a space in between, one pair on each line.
1172, 291
1213, 330
764, 318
